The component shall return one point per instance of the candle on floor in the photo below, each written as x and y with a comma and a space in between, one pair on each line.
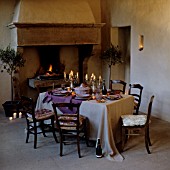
10, 118
14, 115
20, 114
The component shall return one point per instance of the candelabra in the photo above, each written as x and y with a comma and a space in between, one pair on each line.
73, 79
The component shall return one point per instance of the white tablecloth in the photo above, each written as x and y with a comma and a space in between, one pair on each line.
104, 120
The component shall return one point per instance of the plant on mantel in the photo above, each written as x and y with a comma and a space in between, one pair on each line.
112, 56
11, 61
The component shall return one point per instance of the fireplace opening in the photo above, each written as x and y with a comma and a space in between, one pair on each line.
50, 64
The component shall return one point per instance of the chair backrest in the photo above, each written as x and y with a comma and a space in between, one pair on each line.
136, 91
43, 87
120, 88
150, 109
67, 121
28, 106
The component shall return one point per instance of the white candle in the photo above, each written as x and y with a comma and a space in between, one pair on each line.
71, 73
20, 114
77, 75
100, 78
10, 118
86, 77
14, 115
94, 77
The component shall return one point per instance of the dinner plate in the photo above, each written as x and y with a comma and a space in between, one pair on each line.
59, 94
83, 95
81, 98
114, 97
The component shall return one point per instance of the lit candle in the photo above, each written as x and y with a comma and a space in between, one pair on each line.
10, 118
71, 73
64, 75
20, 114
100, 78
77, 75
86, 77
14, 115
94, 77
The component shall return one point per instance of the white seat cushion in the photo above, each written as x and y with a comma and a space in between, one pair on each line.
134, 120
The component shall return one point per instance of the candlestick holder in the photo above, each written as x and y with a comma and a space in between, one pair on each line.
74, 81
93, 86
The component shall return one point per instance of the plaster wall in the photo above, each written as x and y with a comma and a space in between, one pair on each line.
6, 14
66, 11
151, 66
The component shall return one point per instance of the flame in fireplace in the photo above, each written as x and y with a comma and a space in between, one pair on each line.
50, 68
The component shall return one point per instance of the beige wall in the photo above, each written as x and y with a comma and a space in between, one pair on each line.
6, 14
151, 66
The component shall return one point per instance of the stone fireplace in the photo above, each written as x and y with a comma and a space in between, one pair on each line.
59, 33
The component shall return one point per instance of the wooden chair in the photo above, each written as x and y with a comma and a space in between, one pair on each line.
136, 91
137, 123
119, 86
70, 126
35, 120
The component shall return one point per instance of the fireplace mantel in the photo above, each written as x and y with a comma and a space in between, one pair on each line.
37, 34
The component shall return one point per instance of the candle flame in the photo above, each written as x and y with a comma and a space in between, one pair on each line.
50, 68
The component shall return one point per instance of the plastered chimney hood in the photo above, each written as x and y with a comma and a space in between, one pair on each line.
55, 22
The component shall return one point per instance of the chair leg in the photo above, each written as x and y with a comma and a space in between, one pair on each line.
27, 136
35, 137
147, 142
137, 111
42, 128
86, 133
78, 145
53, 130
28, 127
61, 144
148, 136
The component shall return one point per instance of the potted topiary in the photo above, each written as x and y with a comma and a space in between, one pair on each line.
11, 61
112, 56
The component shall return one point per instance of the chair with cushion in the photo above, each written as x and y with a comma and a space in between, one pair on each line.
35, 119
134, 124
136, 91
117, 86
72, 127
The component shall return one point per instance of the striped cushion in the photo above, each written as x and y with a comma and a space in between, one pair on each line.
41, 114
70, 124
134, 120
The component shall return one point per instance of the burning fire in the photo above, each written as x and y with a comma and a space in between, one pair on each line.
50, 68
49, 71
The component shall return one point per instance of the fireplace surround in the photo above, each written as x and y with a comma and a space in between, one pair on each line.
63, 25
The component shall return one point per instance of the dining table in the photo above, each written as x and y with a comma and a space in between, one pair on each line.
104, 118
